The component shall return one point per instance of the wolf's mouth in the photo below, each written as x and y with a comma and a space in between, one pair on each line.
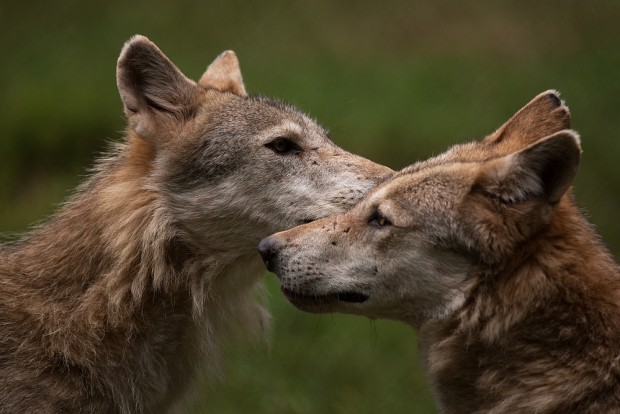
303, 300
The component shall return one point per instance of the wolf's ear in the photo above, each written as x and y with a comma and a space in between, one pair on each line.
224, 74
544, 170
544, 115
151, 86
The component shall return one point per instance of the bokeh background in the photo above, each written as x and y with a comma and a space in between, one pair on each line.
395, 81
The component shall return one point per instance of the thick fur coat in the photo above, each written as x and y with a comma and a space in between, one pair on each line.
115, 303
483, 250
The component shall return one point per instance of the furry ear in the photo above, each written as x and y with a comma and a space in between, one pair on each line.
544, 115
544, 170
224, 74
151, 86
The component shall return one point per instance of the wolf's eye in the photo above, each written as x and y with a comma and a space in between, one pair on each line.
282, 145
378, 220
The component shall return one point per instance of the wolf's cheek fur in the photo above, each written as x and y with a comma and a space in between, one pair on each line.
421, 282
270, 202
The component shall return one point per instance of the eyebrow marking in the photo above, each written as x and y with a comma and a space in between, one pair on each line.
286, 127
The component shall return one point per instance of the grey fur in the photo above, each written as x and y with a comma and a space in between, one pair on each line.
121, 298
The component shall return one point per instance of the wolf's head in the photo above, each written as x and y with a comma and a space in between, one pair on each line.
231, 168
404, 252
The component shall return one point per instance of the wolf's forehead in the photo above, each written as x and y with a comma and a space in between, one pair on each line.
390, 189
278, 110
289, 129
467, 153
285, 127
425, 181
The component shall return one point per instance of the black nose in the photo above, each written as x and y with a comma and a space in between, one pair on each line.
268, 251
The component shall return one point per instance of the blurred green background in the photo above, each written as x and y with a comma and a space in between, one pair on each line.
394, 81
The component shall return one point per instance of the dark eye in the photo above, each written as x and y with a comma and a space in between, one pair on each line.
378, 220
282, 145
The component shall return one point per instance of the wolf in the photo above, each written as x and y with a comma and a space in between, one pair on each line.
115, 303
483, 250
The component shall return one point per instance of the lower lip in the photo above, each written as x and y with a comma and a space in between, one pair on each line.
318, 301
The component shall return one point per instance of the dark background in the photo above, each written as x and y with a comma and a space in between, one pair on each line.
395, 81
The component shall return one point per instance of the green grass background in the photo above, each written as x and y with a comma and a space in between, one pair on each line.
394, 81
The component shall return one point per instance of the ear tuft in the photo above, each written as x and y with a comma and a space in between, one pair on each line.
554, 98
544, 115
224, 74
544, 170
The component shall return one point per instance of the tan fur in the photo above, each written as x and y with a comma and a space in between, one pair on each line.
121, 298
484, 251
224, 74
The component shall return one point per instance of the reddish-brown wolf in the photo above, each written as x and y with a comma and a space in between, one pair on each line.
115, 303
484, 251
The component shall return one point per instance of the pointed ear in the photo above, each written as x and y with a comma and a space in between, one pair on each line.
224, 74
544, 115
544, 170
151, 86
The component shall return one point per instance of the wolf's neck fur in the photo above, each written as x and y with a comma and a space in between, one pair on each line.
113, 287
506, 349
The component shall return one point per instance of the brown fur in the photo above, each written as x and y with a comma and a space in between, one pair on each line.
112, 305
485, 252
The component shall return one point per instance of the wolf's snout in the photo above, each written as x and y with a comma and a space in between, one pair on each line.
267, 249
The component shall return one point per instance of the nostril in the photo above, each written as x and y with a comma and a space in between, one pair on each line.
267, 249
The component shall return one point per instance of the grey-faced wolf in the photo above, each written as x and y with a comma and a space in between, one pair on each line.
110, 305
483, 250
